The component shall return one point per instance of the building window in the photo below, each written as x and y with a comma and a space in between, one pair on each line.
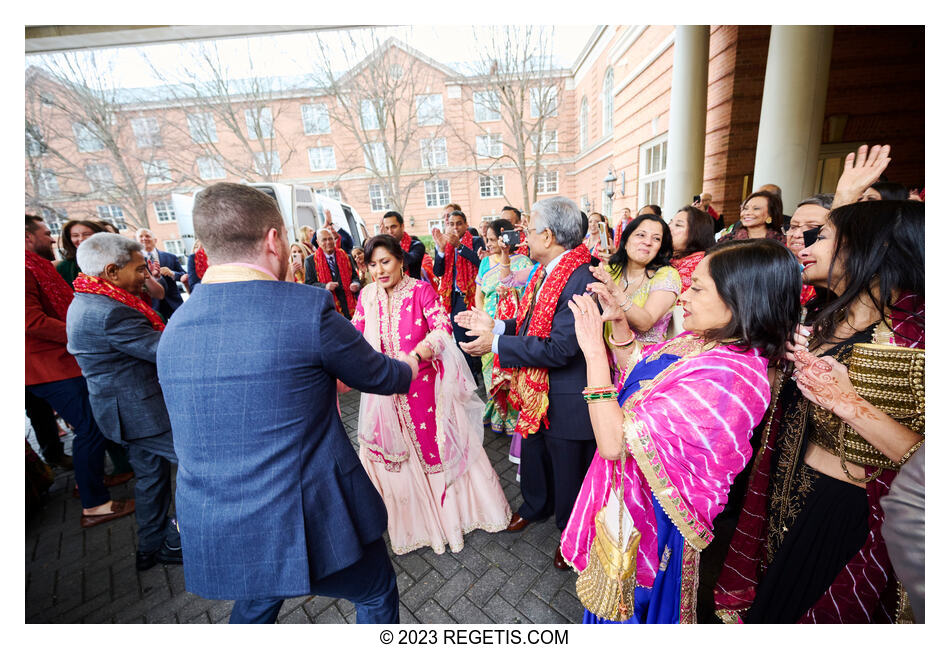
113, 214
582, 126
322, 158
545, 182
329, 192
378, 199
607, 203
147, 132
607, 101
99, 176
486, 106
86, 138
54, 220
260, 122
164, 212
653, 172
35, 146
434, 152
491, 186
267, 163
157, 171
489, 146
316, 119
371, 111
374, 157
543, 102
47, 185
202, 129
209, 168
429, 110
548, 142
437, 193
175, 246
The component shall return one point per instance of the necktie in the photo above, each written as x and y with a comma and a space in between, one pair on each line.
332, 262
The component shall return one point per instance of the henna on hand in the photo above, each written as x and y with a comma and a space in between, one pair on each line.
825, 381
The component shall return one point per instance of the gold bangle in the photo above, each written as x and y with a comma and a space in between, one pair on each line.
909, 453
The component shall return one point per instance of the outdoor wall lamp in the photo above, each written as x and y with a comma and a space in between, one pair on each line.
609, 181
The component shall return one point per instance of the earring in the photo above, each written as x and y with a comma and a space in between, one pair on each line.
768, 219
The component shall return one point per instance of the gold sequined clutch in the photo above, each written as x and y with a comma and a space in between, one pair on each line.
605, 587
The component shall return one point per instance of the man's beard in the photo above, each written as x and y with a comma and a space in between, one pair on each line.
46, 252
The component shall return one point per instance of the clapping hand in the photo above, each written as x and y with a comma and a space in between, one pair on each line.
588, 326
479, 325
861, 170
439, 238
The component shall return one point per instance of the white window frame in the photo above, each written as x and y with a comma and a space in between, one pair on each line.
156, 172
536, 94
583, 129
435, 195
97, 179
324, 162
35, 147
147, 132
313, 117
429, 110
330, 192
113, 214
86, 139
548, 142
263, 118
489, 145
652, 181
164, 211
491, 186
174, 246
379, 202
369, 119
202, 128
607, 102
486, 108
271, 158
544, 178
434, 152
213, 166
47, 184
54, 220
375, 152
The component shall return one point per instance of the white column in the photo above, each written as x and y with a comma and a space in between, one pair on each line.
793, 110
687, 135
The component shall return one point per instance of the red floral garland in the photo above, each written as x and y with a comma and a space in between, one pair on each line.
52, 284
464, 275
98, 286
201, 262
324, 276
530, 385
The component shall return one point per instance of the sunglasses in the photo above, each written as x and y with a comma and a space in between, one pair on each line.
810, 236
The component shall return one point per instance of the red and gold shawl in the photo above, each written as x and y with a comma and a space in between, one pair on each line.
464, 275
530, 385
325, 276
54, 287
98, 286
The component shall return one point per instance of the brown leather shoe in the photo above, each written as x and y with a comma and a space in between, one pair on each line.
120, 508
117, 479
559, 561
517, 523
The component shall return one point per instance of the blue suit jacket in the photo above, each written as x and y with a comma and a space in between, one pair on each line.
271, 495
560, 353
173, 298
115, 347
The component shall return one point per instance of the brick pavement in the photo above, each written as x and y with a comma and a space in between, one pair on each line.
75, 575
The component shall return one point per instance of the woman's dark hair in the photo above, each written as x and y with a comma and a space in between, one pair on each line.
774, 208
69, 250
881, 246
891, 191
386, 241
761, 283
701, 230
500, 225
663, 255
656, 209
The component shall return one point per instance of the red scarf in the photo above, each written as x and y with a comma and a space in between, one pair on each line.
324, 276
522, 247
621, 224
201, 262
530, 385
52, 284
464, 275
427, 267
98, 286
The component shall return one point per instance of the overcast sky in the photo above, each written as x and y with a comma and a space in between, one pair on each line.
290, 54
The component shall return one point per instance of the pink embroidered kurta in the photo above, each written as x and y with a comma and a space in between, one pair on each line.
429, 503
687, 433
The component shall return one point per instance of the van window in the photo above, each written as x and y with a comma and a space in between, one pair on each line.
351, 226
306, 216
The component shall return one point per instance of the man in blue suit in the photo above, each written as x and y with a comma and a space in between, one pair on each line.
272, 498
555, 459
166, 269
114, 343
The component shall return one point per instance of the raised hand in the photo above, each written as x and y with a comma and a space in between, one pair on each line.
453, 239
438, 237
799, 342
588, 326
612, 310
474, 320
861, 170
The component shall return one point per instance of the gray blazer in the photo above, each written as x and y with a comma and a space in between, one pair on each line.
115, 347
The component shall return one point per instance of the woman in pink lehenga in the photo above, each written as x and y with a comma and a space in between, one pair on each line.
423, 450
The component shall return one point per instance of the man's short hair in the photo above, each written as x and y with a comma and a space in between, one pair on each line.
772, 189
104, 248
509, 208
394, 214
33, 222
232, 220
459, 213
562, 217
454, 206
822, 200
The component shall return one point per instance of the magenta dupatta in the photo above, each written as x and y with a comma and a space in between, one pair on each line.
687, 432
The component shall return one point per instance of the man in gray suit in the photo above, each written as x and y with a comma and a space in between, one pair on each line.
113, 335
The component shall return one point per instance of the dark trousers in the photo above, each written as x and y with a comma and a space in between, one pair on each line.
461, 335
44, 424
552, 471
370, 584
70, 398
151, 459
